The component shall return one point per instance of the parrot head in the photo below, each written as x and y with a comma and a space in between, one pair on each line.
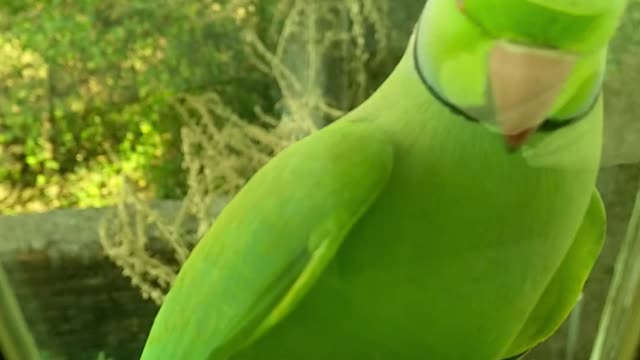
517, 66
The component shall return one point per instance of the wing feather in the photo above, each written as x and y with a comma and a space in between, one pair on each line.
565, 287
271, 242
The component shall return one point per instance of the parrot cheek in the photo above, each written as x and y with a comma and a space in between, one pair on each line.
525, 82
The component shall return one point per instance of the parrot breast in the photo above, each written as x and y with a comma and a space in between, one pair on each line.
457, 249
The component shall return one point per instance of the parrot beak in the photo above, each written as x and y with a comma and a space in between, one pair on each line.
525, 82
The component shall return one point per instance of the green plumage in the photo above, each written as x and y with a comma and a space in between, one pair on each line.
401, 231
559, 24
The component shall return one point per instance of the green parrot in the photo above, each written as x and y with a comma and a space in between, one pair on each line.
452, 215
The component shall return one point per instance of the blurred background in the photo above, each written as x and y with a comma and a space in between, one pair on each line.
125, 126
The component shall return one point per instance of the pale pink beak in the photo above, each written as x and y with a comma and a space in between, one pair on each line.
525, 82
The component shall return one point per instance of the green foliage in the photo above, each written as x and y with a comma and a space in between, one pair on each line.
85, 92
88, 88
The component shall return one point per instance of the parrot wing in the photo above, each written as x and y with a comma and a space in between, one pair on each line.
271, 242
565, 287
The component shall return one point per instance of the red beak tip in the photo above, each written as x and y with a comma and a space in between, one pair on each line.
515, 141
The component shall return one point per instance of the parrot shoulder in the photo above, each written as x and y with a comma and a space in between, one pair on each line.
271, 242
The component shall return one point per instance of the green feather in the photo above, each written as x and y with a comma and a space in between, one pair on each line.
584, 30
564, 289
230, 288
581, 7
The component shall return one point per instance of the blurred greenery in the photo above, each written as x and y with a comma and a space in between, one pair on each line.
87, 87
622, 128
